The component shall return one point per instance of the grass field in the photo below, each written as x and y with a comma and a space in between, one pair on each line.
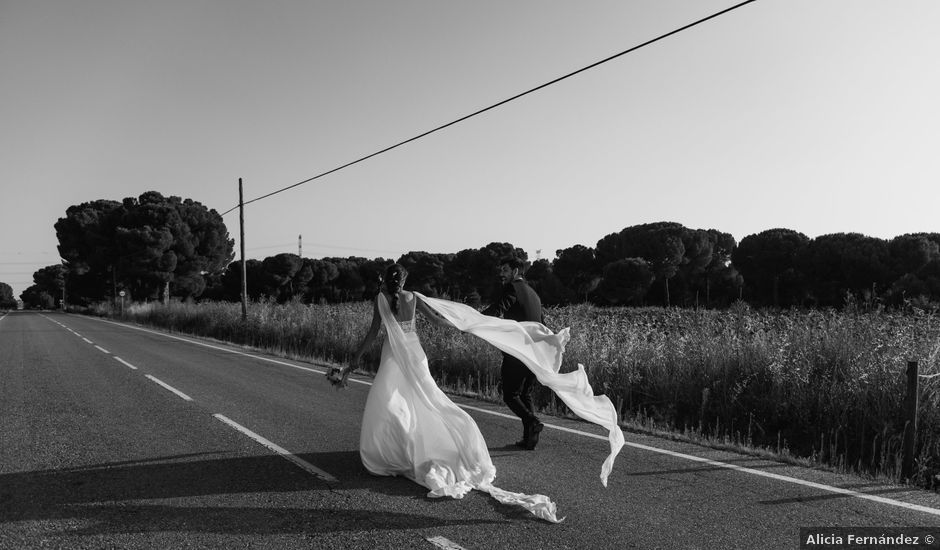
826, 387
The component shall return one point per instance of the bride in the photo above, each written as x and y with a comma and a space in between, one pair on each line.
410, 428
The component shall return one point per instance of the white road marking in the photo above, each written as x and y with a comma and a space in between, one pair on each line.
169, 387
85, 339
514, 417
778, 477
446, 544
278, 449
788, 479
101, 349
125, 363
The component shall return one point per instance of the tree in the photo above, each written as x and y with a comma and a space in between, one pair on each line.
284, 276
51, 279
691, 274
911, 252
35, 297
660, 244
768, 263
460, 274
426, 271
145, 244
722, 280
842, 263
7, 301
930, 276
575, 268
549, 288
322, 275
168, 240
625, 282
88, 245
348, 284
915, 259
47, 287
203, 246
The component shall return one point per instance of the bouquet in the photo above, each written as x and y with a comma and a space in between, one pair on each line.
338, 377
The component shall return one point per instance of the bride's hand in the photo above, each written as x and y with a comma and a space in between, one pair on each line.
338, 376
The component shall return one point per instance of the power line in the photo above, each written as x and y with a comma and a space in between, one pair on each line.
495, 105
318, 245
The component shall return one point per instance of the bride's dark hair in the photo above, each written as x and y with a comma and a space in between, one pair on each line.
394, 281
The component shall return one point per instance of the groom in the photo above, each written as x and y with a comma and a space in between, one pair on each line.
517, 301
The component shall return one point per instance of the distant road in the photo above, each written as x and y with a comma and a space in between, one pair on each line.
113, 435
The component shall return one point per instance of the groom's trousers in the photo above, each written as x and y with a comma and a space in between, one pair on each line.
518, 382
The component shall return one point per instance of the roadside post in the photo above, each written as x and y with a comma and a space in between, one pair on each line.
910, 422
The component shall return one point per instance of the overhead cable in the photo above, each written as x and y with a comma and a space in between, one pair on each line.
493, 106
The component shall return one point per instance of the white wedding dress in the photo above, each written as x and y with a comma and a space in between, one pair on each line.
410, 428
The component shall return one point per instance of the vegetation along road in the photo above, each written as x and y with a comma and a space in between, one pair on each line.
112, 435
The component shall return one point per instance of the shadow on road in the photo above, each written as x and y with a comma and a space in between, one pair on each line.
108, 496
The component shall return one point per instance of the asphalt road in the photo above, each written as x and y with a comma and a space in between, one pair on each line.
117, 436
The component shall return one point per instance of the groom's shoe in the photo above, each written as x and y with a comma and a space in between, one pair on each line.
526, 430
534, 430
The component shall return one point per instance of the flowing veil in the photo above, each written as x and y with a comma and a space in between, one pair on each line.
541, 351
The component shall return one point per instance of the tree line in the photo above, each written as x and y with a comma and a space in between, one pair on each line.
154, 247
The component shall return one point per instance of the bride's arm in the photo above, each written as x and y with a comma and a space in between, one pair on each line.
369, 338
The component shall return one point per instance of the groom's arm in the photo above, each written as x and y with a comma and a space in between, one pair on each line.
506, 301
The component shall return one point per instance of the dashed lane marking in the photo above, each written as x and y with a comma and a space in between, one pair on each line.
126, 364
444, 543
169, 387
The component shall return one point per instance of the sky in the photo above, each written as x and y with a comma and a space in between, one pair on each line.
820, 116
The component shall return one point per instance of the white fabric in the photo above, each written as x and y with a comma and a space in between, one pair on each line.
412, 429
541, 350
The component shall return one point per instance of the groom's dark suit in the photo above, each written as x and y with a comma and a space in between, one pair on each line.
517, 301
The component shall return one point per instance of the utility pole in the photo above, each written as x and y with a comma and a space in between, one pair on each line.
300, 246
241, 224
65, 282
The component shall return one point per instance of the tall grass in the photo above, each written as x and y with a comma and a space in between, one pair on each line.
825, 386
328, 333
